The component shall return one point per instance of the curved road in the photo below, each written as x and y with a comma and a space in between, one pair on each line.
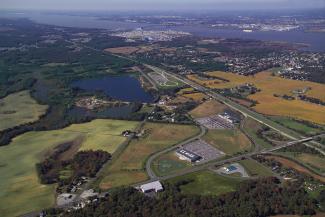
151, 174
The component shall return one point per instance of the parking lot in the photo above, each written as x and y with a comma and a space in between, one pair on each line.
214, 122
204, 150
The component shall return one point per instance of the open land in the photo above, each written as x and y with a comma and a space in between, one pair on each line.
312, 161
122, 50
129, 167
19, 108
168, 163
270, 86
291, 164
207, 108
228, 141
206, 183
21, 191
255, 169
298, 126
251, 127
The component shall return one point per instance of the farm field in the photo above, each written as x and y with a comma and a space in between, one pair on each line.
255, 169
207, 108
298, 126
128, 168
122, 50
168, 163
228, 141
269, 86
21, 191
19, 108
206, 183
291, 164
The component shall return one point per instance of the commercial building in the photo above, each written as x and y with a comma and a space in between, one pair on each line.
231, 168
152, 186
184, 154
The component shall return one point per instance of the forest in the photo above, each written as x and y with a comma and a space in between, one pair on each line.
263, 197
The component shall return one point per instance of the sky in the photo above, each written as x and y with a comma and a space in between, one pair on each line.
159, 4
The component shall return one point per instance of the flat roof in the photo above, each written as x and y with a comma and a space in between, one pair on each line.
231, 168
156, 185
189, 154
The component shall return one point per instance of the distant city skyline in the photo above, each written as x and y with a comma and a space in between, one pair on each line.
159, 4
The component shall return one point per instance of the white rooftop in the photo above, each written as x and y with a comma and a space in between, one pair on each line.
156, 186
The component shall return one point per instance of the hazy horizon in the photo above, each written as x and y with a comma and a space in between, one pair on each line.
129, 5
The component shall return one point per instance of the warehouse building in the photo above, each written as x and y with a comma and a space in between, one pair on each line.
184, 154
152, 187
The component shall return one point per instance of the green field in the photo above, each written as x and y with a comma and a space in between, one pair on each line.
21, 191
297, 126
168, 163
254, 168
19, 108
229, 141
250, 128
129, 167
206, 183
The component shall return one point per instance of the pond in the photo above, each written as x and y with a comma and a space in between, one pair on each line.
123, 87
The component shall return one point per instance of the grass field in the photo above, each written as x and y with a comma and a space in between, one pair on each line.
251, 127
129, 167
168, 163
21, 191
254, 168
19, 108
207, 108
228, 141
270, 85
296, 125
206, 183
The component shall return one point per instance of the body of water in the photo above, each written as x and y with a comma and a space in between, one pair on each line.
316, 41
124, 87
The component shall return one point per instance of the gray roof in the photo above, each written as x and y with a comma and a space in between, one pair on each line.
157, 186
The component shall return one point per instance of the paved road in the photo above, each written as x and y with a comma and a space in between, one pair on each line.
245, 111
151, 174
222, 162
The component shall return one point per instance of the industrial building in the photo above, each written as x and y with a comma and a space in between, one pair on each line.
188, 155
152, 186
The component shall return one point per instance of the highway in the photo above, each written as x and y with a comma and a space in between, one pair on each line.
235, 106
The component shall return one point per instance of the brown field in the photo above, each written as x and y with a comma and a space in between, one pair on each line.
270, 85
129, 167
207, 108
185, 90
242, 102
179, 100
122, 50
291, 164
199, 97
313, 160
